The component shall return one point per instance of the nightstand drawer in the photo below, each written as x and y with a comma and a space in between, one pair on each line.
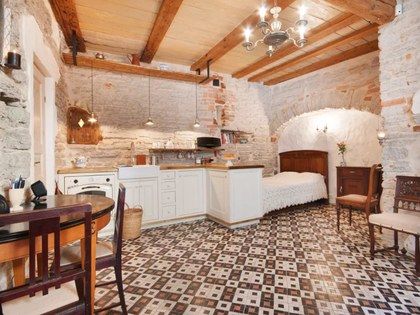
352, 172
168, 197
168, 185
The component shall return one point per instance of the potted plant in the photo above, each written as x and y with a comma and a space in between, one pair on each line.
342, 148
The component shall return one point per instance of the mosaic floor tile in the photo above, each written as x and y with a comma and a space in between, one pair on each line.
293, 262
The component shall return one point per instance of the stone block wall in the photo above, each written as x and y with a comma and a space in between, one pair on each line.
350, 84
121, 102
399, 43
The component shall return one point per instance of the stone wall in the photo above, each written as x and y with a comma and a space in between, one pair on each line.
121, 102
399, 42
350, 84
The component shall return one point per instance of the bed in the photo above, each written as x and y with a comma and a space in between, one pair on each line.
303, 178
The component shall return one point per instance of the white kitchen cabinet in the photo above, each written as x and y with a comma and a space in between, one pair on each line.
217, 186
143, 192
190, 196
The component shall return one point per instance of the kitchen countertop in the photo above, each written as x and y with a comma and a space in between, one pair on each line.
79, 170
208, 166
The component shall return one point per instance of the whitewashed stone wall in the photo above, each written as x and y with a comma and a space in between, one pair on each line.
356, 128
399, 42
121, 102
350, 84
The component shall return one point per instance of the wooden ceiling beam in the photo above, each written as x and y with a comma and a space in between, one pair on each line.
66, 15
88, 62
375, 11
167, 12
233, 39
366, 31
314, 35
346, 55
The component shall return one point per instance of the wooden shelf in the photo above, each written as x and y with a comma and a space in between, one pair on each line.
230, 136
200, 149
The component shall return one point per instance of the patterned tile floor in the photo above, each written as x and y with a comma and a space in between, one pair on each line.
293, 262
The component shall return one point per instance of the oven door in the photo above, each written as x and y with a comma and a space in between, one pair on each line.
91, 189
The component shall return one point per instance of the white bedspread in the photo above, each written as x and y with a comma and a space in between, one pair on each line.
290, 188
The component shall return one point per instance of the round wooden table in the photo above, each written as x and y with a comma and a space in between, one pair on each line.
14, 245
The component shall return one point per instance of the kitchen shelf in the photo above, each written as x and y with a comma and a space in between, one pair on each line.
229, 136
200, 149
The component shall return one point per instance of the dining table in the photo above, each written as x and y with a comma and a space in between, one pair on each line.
14, 244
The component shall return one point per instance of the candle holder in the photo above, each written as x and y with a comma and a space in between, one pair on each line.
13, 60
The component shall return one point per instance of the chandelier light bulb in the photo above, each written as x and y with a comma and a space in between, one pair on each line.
197, 123
302, 12
302, 30
149, 122
92, 119
247, 34
262, 11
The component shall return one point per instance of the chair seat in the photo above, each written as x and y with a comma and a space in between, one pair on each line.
354, 199
71, 254
397, 221
39, 303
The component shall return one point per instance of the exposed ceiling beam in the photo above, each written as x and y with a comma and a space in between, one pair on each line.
366, 31
88, 62
233, 39
375, 11
313, 35
66, 15
346, 55
163, 21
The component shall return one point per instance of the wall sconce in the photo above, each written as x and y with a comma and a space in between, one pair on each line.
324, 130
381, 137
13, 60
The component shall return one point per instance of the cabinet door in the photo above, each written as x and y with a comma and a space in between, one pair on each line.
218, 195
144, 193
189, 192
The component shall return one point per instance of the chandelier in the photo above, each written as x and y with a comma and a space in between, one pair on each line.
273, 35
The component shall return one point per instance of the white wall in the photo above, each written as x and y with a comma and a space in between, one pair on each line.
358, 129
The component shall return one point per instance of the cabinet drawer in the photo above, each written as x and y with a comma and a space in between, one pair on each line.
168, 175
168, 185
168, 197
168, 211
352, 172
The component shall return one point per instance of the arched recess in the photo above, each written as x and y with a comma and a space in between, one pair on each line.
358, 129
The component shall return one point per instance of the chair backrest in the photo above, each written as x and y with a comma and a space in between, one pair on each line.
119, 222
373, 188
44, 236
407, 193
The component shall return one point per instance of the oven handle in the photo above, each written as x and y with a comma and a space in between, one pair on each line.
91, 187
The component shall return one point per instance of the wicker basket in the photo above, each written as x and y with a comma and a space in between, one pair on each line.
132, 222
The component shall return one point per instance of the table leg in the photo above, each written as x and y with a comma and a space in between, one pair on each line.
93, 265
19, 271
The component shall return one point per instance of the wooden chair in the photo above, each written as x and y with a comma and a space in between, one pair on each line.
57, 284
108, 254
360, 202
407, 198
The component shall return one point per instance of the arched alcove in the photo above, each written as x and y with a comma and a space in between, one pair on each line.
358, 129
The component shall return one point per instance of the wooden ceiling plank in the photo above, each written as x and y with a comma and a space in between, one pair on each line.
233, 39
368, 30
166, 15
375, 11
66, 15
313, 35
88, 62
349, 54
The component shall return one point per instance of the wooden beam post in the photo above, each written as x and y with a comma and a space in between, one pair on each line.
88, 62
313, 36
375, 11
166, 15
346, 55
233, 39
66, 15
366, 31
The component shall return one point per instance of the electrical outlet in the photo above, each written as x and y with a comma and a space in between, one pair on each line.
398, 9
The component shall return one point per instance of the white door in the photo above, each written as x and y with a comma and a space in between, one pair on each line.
143, 193
218, 195
189, 192
39, 126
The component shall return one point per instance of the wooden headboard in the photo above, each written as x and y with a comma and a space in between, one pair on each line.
305, 161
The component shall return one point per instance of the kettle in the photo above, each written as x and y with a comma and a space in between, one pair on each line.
80, 161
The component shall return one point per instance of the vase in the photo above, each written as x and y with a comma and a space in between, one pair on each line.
343, 162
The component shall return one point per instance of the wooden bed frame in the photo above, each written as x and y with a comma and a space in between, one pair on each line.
305, 161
